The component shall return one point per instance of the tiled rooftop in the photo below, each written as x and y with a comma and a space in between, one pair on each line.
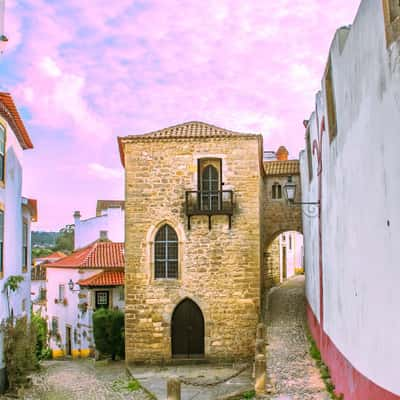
288, 167
194, 129
105, 278
9, 111
97, 255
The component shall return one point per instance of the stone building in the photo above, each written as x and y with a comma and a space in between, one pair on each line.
196, 228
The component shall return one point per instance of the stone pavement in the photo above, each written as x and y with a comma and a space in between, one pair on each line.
291, 369
81, 380
155, 380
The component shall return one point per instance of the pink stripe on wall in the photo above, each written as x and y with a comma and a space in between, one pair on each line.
347, 380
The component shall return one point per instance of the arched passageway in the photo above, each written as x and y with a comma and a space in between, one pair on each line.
283, 258
187, 330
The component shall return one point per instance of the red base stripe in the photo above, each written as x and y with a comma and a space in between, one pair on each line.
347, 380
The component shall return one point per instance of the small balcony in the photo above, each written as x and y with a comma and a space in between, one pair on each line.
209, 203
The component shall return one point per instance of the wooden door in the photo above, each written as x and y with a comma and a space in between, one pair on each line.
187, 330
68, 341
284, 263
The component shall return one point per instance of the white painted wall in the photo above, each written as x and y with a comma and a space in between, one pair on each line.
11, 200
69, 314
360, 202
87, 231
294, 253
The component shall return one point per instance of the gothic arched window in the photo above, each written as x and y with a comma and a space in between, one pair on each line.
166, 253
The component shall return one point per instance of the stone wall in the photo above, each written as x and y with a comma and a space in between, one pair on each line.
219, 268
278, 216
272, 264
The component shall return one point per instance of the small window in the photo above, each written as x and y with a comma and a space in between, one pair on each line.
42, 294
23, 306
392, 20
166, 253
61, 292
309, 155
102, 299
121, 293
103, 235
290, 242
24, 247
54, 325
276, 191
330, 101
1, 240
2, 152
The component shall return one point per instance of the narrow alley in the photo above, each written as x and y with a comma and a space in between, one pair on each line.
290, 368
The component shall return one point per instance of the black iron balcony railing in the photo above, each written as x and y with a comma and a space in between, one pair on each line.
209, 203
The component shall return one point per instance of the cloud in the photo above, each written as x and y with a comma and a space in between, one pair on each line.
106, 173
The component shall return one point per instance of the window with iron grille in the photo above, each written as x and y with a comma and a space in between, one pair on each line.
2, 151
24, 246
166, 253
1, 240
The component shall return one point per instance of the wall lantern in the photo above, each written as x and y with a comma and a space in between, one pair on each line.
71, 286
290, 194
3, 43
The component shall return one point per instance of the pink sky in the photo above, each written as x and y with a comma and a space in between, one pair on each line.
84, 72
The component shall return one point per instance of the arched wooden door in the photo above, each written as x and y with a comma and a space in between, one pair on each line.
187, 330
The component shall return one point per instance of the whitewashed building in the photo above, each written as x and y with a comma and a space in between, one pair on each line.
351, 250
107, 224
16, 215
77, 285
38, 281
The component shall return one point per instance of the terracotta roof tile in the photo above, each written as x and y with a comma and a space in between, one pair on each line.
105, 278
288, 167
54, 255
187, 130
97, 255
9, 111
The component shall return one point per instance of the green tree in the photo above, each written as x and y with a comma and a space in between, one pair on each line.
40, 326
108, 326
65, 239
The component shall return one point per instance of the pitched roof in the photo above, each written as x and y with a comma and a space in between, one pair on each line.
106, 204
54, 255
288, 167
187, 130
96, 255
105, 278
9, 111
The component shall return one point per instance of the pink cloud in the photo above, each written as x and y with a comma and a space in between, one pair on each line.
96, 70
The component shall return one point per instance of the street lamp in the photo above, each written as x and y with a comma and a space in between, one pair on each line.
290, 194
3, 43
71, 286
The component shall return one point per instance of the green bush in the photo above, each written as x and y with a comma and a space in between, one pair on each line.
108, 326
42, 348
19, 350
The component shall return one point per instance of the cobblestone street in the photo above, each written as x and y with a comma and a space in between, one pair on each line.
291, 369
81, 380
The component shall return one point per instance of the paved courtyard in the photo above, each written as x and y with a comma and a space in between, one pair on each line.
290, 368
81, 380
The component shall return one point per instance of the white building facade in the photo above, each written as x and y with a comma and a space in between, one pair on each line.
77, 285
107, 224
16, 214
352, 271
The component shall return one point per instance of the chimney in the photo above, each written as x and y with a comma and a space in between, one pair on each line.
282, 153
77, 217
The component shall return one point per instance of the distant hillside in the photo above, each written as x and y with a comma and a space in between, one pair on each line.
44, 239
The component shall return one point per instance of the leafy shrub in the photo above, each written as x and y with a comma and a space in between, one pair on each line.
42, 349
108, 327
19, 350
